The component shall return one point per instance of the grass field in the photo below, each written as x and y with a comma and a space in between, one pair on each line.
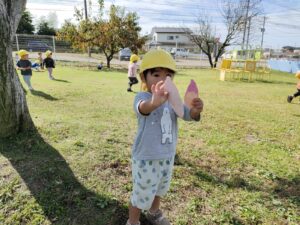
239, 165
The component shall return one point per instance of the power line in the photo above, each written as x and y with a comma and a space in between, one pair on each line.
285, 6
285, 25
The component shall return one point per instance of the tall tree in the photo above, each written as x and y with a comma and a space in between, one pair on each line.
14, 114
80, 35
25, 25
205, 37
119, 31
45, 29
109, 35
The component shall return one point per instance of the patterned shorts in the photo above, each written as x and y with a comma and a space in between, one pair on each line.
150, 178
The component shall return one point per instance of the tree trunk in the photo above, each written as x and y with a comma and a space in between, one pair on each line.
210, 60
216, 61
108, 62
14, 114
89, 52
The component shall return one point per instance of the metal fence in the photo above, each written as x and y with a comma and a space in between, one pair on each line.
40, 43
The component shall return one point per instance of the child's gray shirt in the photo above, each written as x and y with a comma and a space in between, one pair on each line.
157, 133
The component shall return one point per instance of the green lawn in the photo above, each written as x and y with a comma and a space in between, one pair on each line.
239, 165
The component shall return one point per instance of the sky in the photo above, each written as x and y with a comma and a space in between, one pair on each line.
282, 26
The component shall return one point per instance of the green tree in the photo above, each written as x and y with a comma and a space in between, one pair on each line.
119, 31
109, 35
45, 29
25, 25
80, 36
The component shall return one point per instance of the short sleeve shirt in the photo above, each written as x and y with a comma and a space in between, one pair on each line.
157, 133
24, 64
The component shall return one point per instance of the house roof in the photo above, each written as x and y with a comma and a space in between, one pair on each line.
291, 48
170, 30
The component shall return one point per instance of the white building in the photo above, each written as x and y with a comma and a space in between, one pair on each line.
169, 37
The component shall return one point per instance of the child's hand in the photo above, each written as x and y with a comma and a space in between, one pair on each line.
197, 108
159, 95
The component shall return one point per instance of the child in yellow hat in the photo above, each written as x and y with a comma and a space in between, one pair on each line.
25, 66
40, 60
49, 64
290, 97
132, 71
154, 148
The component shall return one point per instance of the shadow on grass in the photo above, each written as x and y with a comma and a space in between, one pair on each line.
59, 80
282, 188
274, 82
233, 182
43, 95
260, 81
52, 183
289, 189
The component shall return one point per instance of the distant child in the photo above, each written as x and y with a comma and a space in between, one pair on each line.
36, 66
132, 71
25, 66
290, 97
40, 60
17, 57
154, 148
100, 66
49, 64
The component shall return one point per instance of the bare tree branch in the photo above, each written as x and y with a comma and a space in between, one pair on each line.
233, 13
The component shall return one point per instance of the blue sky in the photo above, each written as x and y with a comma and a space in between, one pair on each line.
282, 17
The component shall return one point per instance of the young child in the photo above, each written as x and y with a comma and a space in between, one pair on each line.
132, 71
40, 60
36, 66
17, 57
25, 66
154, 148
290, 97
49, 63
100, 66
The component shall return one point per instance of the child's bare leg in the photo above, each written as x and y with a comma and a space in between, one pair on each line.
50, 73
155, 204
134, 215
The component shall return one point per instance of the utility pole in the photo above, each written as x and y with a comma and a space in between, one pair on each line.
245, 23
86, 18
85, 10
262, 33
248, 35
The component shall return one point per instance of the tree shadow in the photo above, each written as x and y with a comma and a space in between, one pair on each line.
52, 183
288, 189
283, 188
275, 82
60, 80
43, 95
133, 92
243, 80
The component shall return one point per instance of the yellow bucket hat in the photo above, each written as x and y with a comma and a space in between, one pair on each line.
47, 53
157, 58
23, 52
298, 74
134, 57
